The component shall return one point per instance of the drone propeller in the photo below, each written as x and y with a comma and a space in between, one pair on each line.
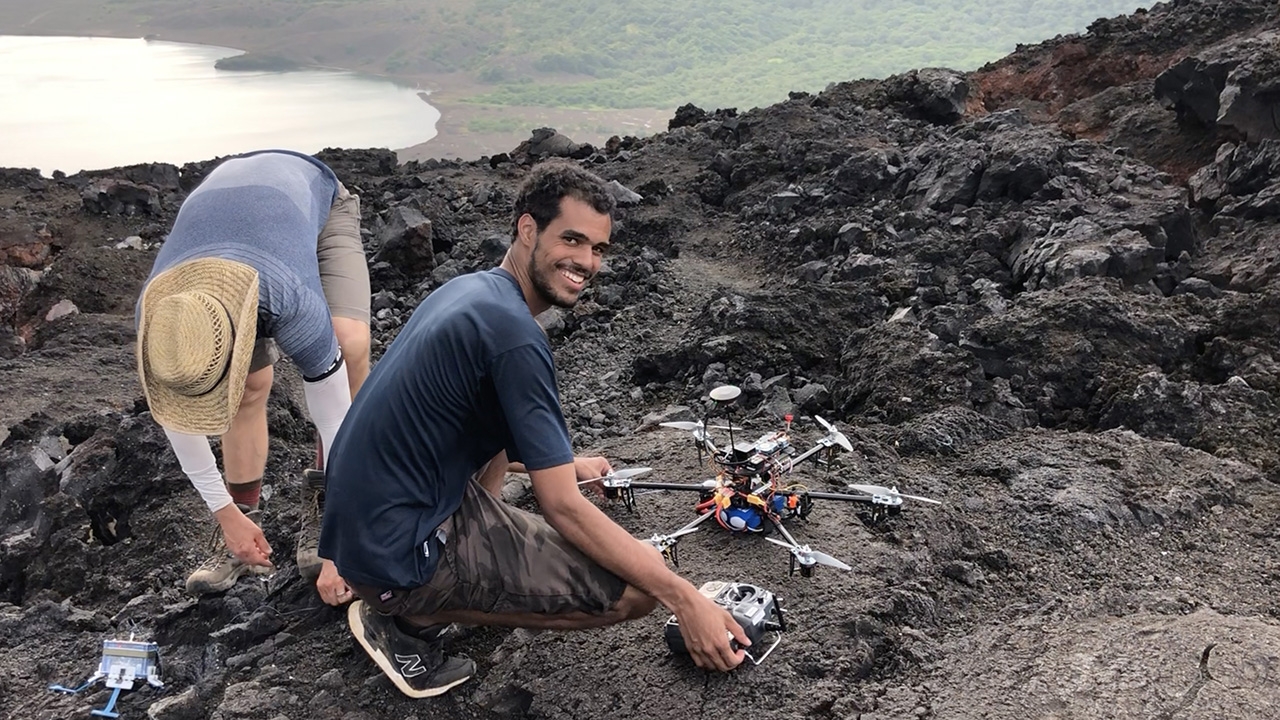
699, 430
696, 427
890, 492
808, 557
618, 478
834, 435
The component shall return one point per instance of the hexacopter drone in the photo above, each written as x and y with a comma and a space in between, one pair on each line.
748, 494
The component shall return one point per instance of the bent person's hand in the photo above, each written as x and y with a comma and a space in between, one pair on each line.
707, 628
332, 588
244, 538
590, 468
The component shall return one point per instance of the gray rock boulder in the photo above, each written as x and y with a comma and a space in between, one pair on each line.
119, 197
1083, 248
1235, 85
405, 241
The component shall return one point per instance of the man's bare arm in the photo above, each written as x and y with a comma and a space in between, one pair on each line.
705, 625
603, 540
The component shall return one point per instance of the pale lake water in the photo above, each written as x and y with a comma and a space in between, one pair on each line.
77, 103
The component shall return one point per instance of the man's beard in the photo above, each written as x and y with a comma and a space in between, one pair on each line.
542, 281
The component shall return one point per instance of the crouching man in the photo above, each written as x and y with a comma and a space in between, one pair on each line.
467, 392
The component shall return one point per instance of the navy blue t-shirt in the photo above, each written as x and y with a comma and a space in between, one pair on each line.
470, 374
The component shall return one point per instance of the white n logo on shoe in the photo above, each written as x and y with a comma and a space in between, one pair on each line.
410, 665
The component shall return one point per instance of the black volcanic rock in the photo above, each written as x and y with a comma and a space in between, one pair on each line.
546, 142
1044, 328
1234, 85
119, 197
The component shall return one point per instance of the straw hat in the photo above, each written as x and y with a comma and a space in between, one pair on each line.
198, 324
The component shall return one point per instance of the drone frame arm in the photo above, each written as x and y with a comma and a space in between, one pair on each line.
638, 485
809, 453
783, 529
666, 544
846, 497
695, 523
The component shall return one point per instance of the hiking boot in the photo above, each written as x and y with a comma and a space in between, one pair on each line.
222, 569
308, 557
417, 666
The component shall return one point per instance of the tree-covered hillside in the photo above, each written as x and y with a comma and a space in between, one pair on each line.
634, 53
595, 54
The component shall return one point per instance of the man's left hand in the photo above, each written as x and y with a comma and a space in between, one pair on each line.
332, 588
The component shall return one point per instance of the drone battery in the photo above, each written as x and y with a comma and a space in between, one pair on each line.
751, 606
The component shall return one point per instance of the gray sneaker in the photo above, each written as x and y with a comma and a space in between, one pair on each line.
418, 667
308, 557
222, 569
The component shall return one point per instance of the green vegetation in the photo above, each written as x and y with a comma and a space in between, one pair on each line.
720, 53
256, 63
497, 125
600, 55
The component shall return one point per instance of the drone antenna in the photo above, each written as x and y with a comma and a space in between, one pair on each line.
723, 395
133, 628
728, 417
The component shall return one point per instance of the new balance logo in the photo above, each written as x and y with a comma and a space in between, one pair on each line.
410, 665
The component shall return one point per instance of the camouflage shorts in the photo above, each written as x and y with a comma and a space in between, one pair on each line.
501, 559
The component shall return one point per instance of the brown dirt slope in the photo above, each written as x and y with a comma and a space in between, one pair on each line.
1100, 85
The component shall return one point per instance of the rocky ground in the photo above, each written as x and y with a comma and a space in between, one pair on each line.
1044, 293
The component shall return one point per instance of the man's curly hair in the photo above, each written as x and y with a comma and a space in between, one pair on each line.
551, 181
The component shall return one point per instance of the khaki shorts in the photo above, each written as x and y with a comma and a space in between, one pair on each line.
344, 272
501, 559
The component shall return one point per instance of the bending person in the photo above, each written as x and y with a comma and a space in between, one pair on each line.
264, 260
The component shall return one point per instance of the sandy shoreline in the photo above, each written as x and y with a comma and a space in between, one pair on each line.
467, 131
454, 140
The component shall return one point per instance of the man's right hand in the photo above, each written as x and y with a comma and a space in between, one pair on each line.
332, 588
244, 538
703, 625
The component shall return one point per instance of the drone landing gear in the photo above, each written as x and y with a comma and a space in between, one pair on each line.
672, 554
805, 570
626, 494
804, 507
107, 711
877, 514
667, 544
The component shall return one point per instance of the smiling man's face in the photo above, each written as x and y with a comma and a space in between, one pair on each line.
567, 253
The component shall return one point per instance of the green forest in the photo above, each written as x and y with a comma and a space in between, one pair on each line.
721, 53
596, 54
